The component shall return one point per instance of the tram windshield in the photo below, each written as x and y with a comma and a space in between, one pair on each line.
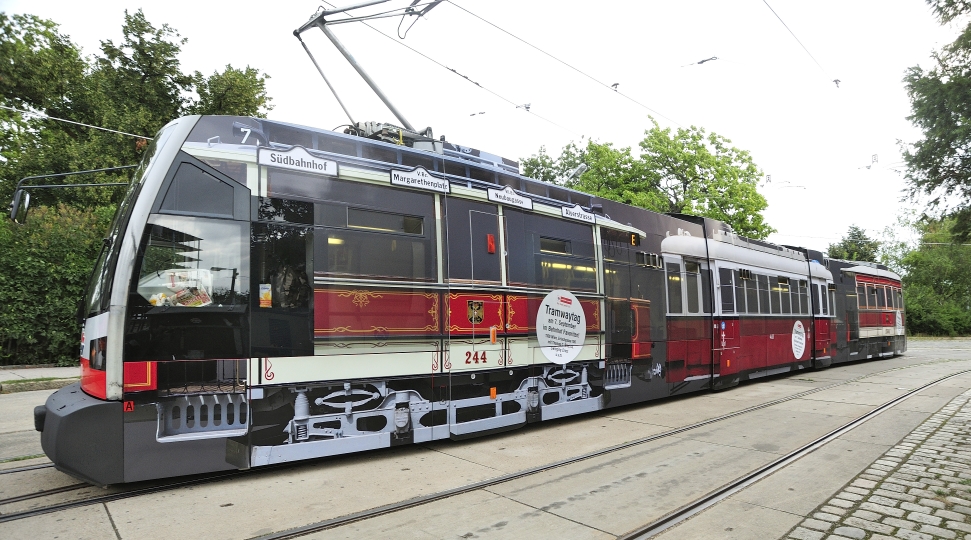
99, 287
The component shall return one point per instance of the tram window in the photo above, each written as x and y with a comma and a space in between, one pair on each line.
674, 288
379, 153
752, 294
369, 231
190, 274
739, 292
691, 283
832, 302
195, 191
617, 280
861, 296
535, 188
291, 211
774, 294
803, 298
825, 297
705, 290
337, 146
411, 160
881, 297
785, 295
482, 175
815, 292
286, 135
616, 247
727, 290
582, 200
763, 282
549, 252
559, 195
871, 296
233, 169
511, 181
369, 220
552, 245
455, 169
898, 299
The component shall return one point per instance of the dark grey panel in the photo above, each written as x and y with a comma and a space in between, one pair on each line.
83, 435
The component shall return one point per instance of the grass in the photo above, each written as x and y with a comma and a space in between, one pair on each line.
21, 458
40, 379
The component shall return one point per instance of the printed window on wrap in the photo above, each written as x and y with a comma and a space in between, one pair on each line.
365, 230
549, 252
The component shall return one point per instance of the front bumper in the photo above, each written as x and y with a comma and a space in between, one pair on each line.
83, 436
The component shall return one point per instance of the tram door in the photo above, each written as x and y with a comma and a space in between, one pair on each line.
476, 343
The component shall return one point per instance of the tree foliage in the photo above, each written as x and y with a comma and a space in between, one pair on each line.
937, 284
939, 164
135, 85
686, 171
44, 266
855, 246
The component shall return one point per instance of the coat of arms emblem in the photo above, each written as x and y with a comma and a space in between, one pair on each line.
476, 312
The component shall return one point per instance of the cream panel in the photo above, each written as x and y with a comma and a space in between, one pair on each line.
462, 354
342, 361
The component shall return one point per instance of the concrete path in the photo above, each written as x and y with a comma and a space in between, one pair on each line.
599, 498
20, 374
917, 490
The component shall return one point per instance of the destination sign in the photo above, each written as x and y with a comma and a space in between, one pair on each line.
296, 159
510, 197
578, 213
420, 178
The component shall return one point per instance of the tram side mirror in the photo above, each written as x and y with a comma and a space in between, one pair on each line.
19, 206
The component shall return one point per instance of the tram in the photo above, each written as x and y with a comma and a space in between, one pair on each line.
270, 293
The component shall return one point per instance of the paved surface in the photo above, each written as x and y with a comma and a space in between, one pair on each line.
918, 490
599, 498
19, 374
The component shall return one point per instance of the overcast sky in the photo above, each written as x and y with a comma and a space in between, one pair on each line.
764, 91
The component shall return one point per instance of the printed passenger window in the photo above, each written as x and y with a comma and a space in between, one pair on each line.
383, 222
551, 245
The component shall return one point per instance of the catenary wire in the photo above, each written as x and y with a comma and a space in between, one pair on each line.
794, 36
42, 115
565, 63
437, 63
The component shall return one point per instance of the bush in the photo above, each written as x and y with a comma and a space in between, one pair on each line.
44, 268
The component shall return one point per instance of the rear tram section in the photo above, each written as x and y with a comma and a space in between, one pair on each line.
271, 293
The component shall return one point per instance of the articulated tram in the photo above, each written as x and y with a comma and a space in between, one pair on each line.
271, 293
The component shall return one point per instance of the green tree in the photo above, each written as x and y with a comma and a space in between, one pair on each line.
135, 85
939, 165
688, 171
855, 246
240, 92
937, 284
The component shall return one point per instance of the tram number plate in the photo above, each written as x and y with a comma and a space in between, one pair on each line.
475, 357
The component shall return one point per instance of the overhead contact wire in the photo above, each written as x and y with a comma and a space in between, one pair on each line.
42, 115
794, 35
565, 63
437, 63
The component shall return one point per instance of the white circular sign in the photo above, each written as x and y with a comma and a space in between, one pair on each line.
561, 326
798, 339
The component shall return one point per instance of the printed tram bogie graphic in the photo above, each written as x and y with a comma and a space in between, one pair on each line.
272, 292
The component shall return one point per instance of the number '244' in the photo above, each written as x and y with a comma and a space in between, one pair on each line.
475, 358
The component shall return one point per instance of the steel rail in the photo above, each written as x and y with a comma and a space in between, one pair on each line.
27, 468
44, 493
432, 497
418, 501
699, 505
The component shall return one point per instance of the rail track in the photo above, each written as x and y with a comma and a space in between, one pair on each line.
643, 532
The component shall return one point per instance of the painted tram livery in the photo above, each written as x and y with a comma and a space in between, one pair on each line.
271, 293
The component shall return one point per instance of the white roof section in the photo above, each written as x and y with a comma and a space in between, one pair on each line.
745, 254
870, 271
